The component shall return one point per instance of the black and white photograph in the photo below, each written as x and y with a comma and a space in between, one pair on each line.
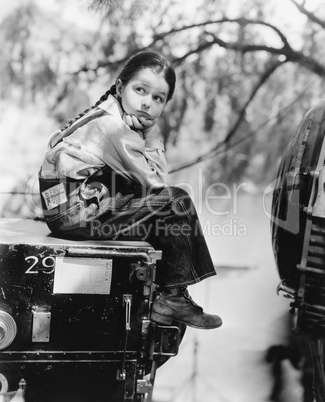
162, 201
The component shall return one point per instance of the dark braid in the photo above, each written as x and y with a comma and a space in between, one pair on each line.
111, 91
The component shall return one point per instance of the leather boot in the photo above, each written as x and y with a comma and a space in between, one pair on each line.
177, 305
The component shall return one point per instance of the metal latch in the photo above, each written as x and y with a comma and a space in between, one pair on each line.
127, 300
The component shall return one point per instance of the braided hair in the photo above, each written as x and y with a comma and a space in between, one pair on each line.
111, 91
147, 59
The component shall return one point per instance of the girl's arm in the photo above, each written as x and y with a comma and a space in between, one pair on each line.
130, 154
144, 163
154, 146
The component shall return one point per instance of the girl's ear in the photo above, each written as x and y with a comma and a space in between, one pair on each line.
119, 87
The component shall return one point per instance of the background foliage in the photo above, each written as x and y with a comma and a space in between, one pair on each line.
247, 71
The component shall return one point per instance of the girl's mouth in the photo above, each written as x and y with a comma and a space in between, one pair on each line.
143, 114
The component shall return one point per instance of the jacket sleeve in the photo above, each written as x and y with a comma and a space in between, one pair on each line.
155, 155
132, 156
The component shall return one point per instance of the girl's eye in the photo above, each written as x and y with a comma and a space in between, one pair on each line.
140, 90
159, 99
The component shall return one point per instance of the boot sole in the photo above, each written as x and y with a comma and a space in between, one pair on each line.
162, 319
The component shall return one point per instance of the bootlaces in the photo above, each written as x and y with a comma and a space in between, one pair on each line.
188, 298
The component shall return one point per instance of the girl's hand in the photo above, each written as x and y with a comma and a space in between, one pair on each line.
138, 123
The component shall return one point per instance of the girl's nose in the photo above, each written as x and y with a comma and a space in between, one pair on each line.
146, 103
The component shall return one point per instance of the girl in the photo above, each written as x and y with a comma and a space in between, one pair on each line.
104, 177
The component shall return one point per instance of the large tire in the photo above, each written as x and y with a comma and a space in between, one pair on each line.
292, 193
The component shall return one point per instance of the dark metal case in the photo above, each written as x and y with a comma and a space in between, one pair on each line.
75, 317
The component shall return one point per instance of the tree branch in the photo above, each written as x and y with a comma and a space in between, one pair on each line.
263, 78
240, 21
286, 50
290, 54
161, 36
243, 48
219, 150
310, 15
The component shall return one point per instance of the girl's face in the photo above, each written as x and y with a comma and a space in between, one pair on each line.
145, 95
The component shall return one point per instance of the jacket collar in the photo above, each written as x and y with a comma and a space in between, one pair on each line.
112, 106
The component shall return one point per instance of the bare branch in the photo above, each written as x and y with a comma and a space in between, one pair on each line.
102, 64
251, 48
286, 50
263, 78
290, 54
310, 15
307, 62
240, 21
251, 134
234, 46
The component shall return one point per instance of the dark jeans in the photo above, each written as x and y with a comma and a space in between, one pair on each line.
110, 207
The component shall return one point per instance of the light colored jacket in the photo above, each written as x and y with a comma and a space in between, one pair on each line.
102, 138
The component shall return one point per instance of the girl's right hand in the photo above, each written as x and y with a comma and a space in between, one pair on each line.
141, 124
